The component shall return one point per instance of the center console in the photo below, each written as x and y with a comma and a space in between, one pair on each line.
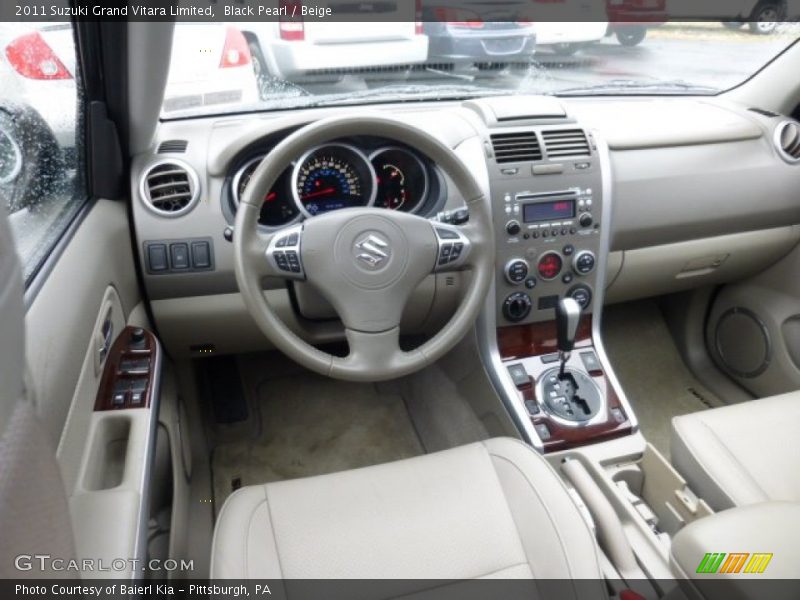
550, 189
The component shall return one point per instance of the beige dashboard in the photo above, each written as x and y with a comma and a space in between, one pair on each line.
700, 195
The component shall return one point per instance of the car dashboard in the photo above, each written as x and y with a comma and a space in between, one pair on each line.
604, 199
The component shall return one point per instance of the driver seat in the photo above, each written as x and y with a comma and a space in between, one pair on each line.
492, 509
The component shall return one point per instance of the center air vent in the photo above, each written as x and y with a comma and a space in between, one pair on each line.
565, 143
522, 146
170, 188
787, 139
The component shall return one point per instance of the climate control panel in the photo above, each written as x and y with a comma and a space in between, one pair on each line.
547, 231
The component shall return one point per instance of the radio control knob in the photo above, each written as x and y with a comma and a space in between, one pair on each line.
586, 220
584, 262
516, 271
513, 228
517, 306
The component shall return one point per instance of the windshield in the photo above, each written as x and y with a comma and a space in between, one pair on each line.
246, 66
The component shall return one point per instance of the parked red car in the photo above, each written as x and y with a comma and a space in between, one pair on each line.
629, 20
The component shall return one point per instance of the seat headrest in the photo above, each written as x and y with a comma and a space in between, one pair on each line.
12, 323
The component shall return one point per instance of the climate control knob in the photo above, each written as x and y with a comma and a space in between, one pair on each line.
517, 306
582, 294
584, 262
513, 228
516, 271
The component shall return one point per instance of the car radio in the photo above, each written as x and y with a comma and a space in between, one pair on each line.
548, 242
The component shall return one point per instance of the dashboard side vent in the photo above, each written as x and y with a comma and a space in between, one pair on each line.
787, 140
173, 147
565, 143
170, 188
521, 146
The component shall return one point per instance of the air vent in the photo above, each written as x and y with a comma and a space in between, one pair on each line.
173, 147
565, 143
787, 139
522, 146
170, 188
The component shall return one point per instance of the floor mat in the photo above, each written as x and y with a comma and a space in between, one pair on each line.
310, 425
655, 379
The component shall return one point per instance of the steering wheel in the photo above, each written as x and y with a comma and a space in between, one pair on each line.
365, 261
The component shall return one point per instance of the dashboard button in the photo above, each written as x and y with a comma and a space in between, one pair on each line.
179, 256
586, 220
584, 262
513, 228
550, 266
516, 271
157, 257
201, 255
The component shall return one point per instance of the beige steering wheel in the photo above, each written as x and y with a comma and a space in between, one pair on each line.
365, 261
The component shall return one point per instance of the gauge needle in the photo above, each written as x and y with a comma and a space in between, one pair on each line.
322, 192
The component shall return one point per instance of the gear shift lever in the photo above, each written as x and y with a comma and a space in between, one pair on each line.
568, 316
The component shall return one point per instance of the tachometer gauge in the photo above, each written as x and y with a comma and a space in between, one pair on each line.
402, 179
332, 177
278, 208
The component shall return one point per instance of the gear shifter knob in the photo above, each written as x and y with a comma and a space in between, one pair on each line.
568, 315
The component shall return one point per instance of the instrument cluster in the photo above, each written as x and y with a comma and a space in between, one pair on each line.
343, 175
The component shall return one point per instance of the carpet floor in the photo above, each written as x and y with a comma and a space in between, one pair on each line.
312, 425
655, 379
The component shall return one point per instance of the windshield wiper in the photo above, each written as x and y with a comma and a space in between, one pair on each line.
631, 86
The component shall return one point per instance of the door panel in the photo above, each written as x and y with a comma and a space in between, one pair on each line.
61, 319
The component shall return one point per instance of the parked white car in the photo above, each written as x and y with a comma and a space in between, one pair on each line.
290, 50
565, 38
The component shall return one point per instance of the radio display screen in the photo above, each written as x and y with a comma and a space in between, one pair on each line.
548, 211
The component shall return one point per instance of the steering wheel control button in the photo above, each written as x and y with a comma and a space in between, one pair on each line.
550, 265
446, 234
516, 271
584, 262
517, 306
293, 261
281, 243
280, 260
444, 253
582, 294
292, 239
453, 246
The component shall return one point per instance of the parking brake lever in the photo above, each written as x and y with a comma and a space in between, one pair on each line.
568, 316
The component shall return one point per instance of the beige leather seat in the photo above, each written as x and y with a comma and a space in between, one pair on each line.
741, 454
34, 517
490, 509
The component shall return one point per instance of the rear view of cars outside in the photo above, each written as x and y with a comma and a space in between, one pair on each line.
484, 35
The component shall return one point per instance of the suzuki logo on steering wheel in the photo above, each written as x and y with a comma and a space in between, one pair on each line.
372, 250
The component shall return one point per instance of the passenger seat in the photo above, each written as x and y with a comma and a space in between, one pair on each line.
741, 454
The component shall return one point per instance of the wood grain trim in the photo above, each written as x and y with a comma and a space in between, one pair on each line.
521, 341
122, 350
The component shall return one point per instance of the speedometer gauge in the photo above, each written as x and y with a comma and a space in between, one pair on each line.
402, 179
332, 177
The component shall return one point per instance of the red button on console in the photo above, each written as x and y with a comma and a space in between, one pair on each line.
550, 265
